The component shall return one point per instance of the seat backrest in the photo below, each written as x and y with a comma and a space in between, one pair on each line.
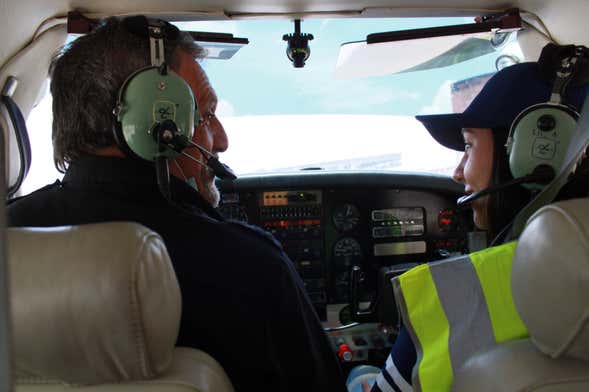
99, 306
550, 286
550, 279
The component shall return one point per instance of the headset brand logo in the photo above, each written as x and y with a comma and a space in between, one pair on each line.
164, 110
543, 148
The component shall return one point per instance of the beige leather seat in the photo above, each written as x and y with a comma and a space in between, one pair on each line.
97, 308
550, 283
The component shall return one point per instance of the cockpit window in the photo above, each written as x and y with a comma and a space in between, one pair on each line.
279, 118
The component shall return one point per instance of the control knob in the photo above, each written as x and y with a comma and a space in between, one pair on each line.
344, 353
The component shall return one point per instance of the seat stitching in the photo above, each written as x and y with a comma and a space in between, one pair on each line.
137, 321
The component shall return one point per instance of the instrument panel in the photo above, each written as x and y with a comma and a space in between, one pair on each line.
330, 222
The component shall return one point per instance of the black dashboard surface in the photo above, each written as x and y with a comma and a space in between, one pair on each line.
329, 222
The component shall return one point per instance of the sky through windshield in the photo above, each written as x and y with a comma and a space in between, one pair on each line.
260, 80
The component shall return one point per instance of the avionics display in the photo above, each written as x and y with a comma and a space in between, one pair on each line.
398, 222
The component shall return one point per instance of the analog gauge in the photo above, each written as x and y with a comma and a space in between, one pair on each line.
346, 217
233, 211
347, 252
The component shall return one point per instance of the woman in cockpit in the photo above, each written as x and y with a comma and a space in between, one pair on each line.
482, 132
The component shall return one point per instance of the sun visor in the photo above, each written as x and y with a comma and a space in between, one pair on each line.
360, 59
221, 46
428, 48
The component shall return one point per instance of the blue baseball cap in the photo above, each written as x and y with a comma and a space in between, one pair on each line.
504, 96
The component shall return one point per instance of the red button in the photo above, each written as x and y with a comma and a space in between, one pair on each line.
344, 353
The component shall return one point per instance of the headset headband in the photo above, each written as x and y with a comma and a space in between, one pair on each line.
564, 75
138, 25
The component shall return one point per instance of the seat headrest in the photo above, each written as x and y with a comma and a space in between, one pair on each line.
550, 279
93, 303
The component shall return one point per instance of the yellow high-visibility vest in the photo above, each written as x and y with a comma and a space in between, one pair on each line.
455, 308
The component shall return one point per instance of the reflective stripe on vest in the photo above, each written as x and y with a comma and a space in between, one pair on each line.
455, 308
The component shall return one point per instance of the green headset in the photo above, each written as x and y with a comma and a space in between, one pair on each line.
148, 100
156, 112
540, 135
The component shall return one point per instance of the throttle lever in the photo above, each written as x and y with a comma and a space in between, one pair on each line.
362, 316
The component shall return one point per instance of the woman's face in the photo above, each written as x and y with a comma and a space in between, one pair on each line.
475, 170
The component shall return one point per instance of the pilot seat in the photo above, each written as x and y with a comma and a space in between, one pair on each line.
550, 285
97, 308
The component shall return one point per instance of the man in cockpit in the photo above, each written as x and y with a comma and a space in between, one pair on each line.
243, 301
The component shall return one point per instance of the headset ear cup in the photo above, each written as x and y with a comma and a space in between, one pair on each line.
121, 142
147, 98
540, 135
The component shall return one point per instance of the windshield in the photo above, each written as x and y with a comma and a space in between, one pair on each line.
280, 118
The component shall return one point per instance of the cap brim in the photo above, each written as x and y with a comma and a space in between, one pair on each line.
446, 129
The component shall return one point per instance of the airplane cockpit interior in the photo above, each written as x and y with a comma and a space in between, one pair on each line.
324, 153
